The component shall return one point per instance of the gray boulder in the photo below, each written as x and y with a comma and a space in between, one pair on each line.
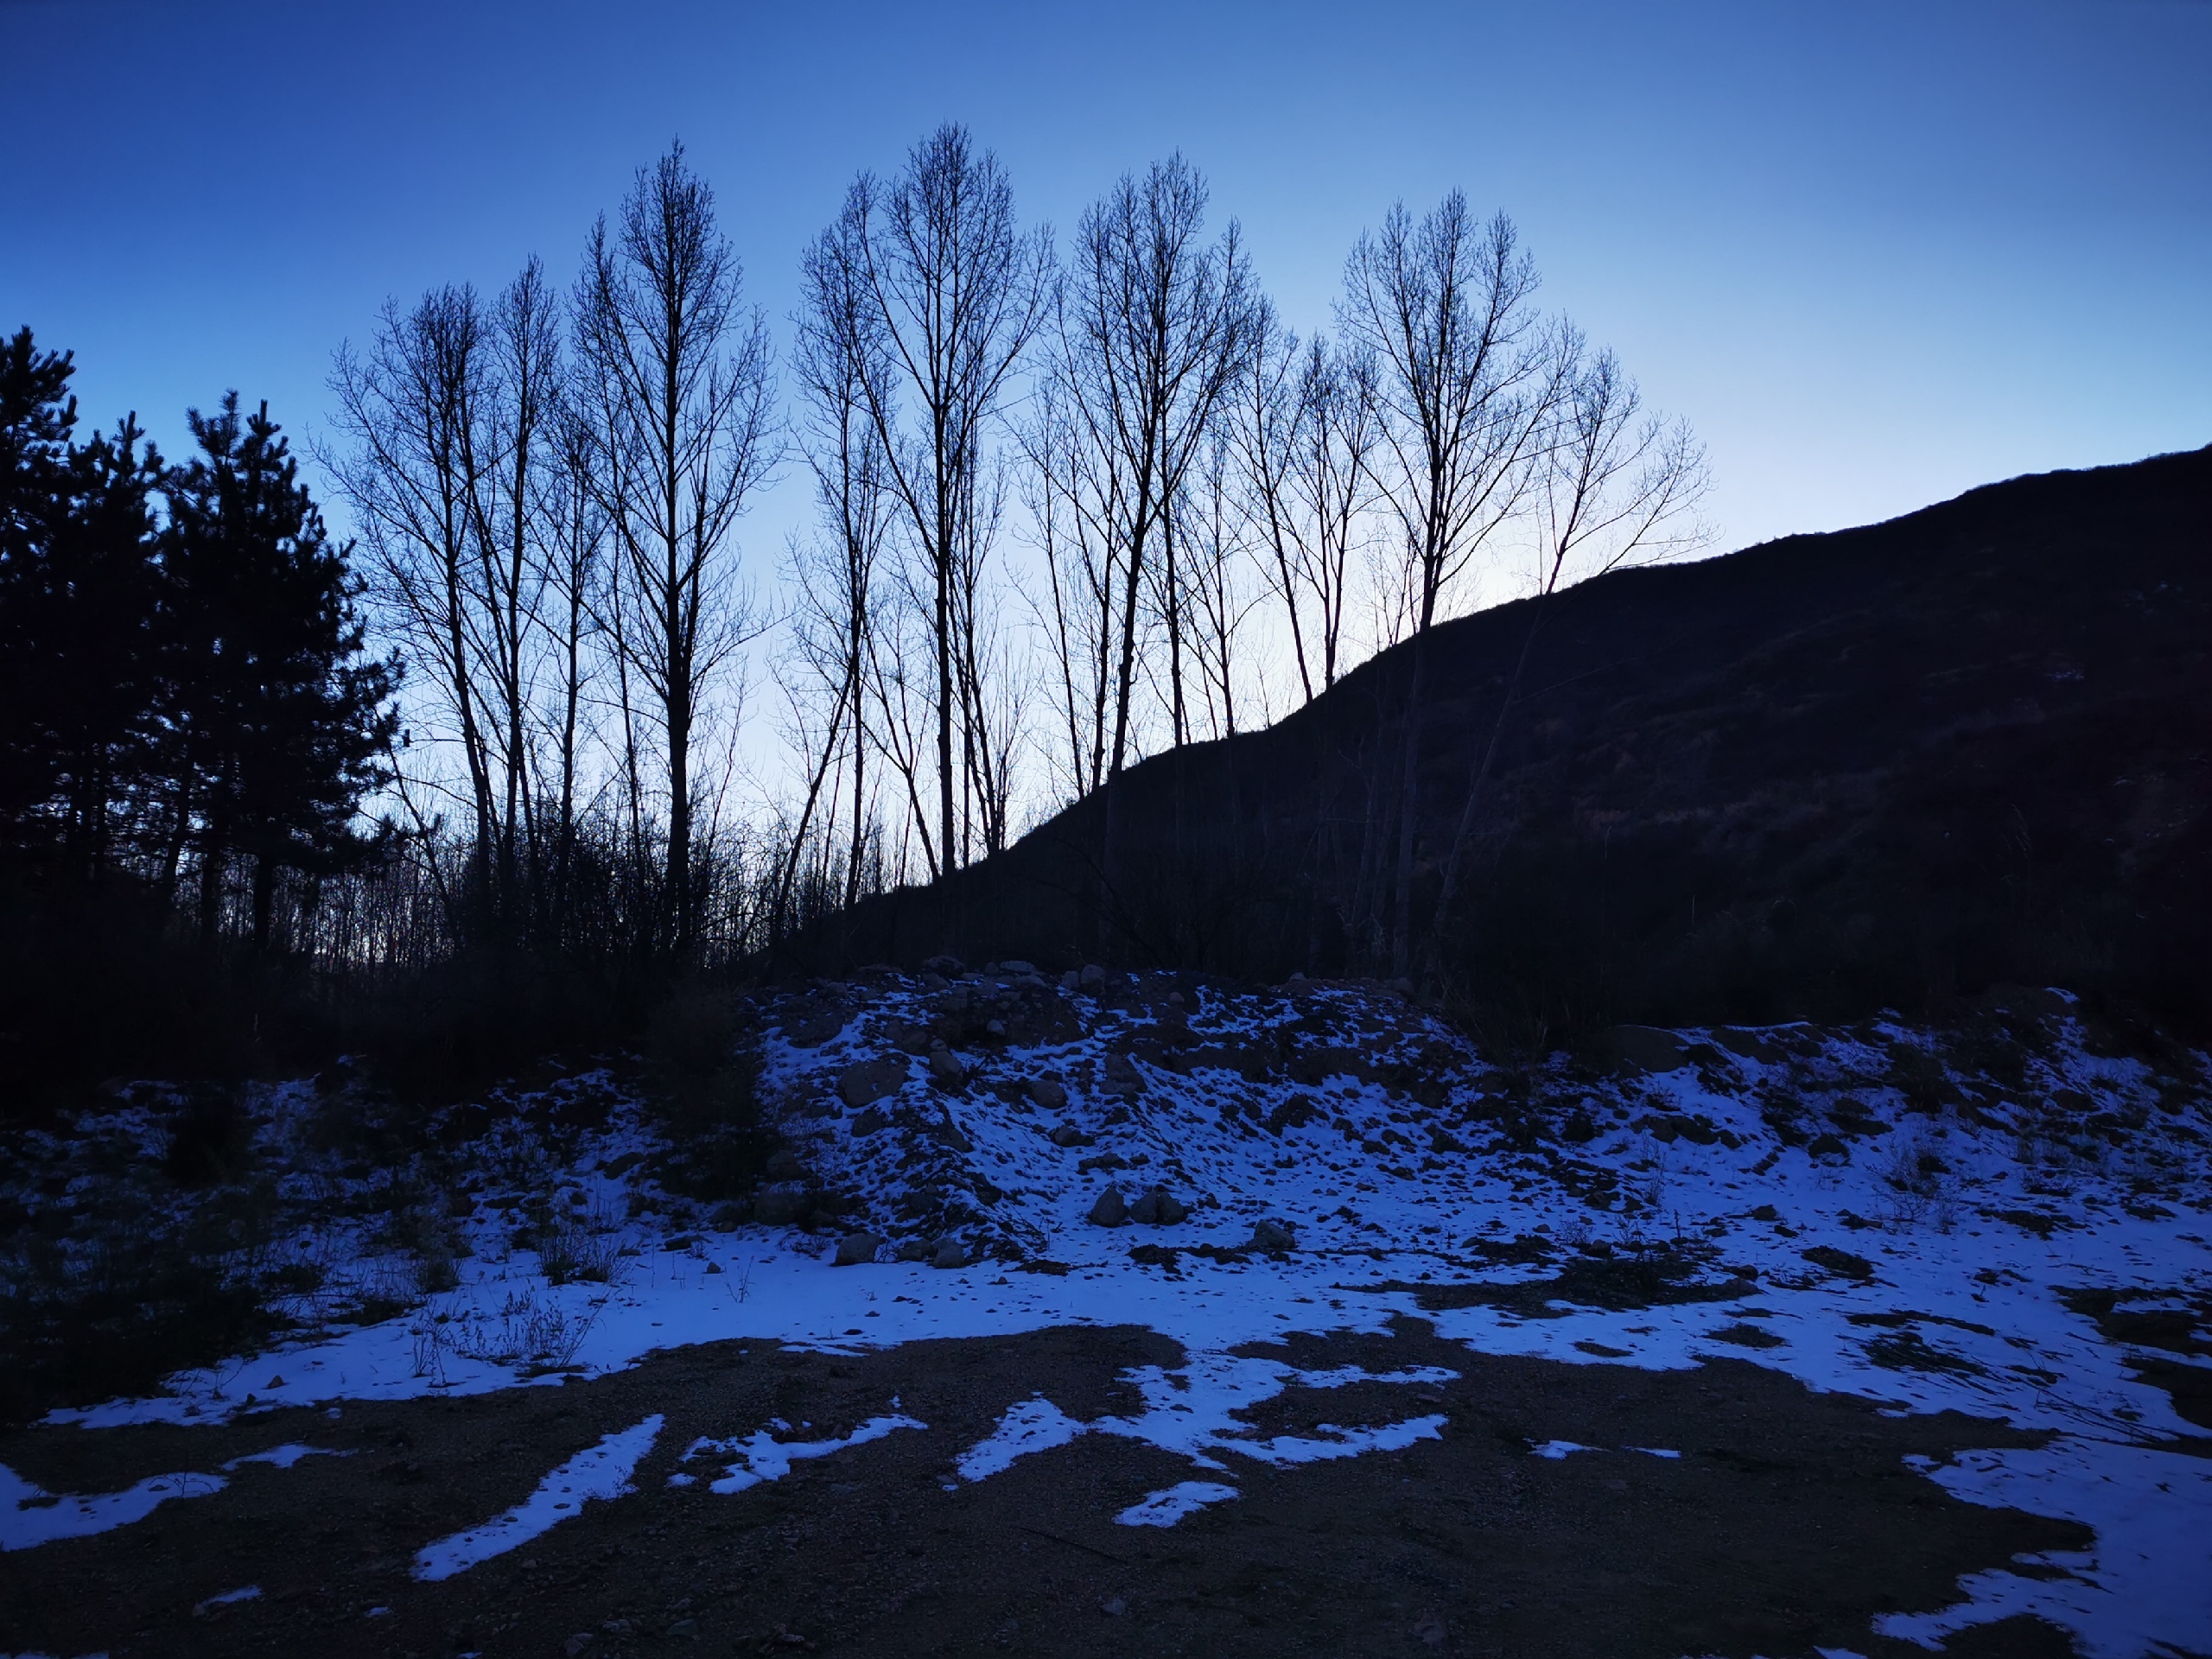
917, 1249
874, 1120
1111, 1210
951, 1253
1068, 1135
1050, 1094
952, 967
866, 1081
855, 1250
1158, 1208
945, 1068
1120, 1076
1092, 978
1272, 1237
1015, 969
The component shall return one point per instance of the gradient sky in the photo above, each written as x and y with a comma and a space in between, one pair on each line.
1876, 252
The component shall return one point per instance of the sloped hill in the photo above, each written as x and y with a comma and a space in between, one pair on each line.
1886, 767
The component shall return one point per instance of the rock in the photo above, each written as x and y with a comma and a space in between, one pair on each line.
951, 1253
683, 1628
1170, 1211
1092, 978
1646, 1048
1272, 1237
1175, 999
1111, 1210
868, 1081
857, 1249
951, 967
576, 1643
945, 1068
1146, 1210
996, 1028
1071, 980
1402, 986
1112, 1606
936, 983
917, 1249
785, 1167
1068, 1135
874, 1120
1050, 1094
728, 1217
779, 1209
1120, 1076
1015, 969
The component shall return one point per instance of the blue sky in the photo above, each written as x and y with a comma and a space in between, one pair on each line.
1876, 252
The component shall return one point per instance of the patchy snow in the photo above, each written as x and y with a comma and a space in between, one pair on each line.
601, 1472
760, 1456
1556, 1449
29, 1516
1164, 1509
2149, 1577
1035, 1425
1877, 1209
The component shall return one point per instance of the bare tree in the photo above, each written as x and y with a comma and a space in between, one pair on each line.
1468, 377
1307, 434
1155, 326
954, 293
680, 384
525, 326
835, 575
1616, 486
416, 408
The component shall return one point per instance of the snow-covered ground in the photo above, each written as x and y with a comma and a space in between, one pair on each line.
1925, 1221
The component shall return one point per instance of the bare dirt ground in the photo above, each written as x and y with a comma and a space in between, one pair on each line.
1786, 1524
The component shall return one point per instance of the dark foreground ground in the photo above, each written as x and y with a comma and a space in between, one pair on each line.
1786, 1525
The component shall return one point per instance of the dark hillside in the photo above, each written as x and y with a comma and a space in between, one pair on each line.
1889, 766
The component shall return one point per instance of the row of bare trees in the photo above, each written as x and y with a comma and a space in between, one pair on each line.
1067, 511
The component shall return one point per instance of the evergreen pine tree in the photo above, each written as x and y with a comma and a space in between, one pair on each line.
275, 724
78, 594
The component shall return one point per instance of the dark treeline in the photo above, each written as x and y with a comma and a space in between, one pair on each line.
500, 764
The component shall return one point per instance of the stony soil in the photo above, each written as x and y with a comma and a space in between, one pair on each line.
1788, 1522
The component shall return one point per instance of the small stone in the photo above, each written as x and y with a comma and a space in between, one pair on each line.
1145, 1209
1121, 1077
1112, 1606
1049, 1093
1111, 1210
856, 1250
576, 1643
951, 1253
945, 1067
727, 1217
1272, 1237
1174, 999
1092, 978
1014, 969
936, 983
1068, 1135
274, 1383
1071, 980
1429, 1633
917, 1249
684, 1628
995, 1027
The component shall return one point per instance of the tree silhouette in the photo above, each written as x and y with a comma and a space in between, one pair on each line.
277, 727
